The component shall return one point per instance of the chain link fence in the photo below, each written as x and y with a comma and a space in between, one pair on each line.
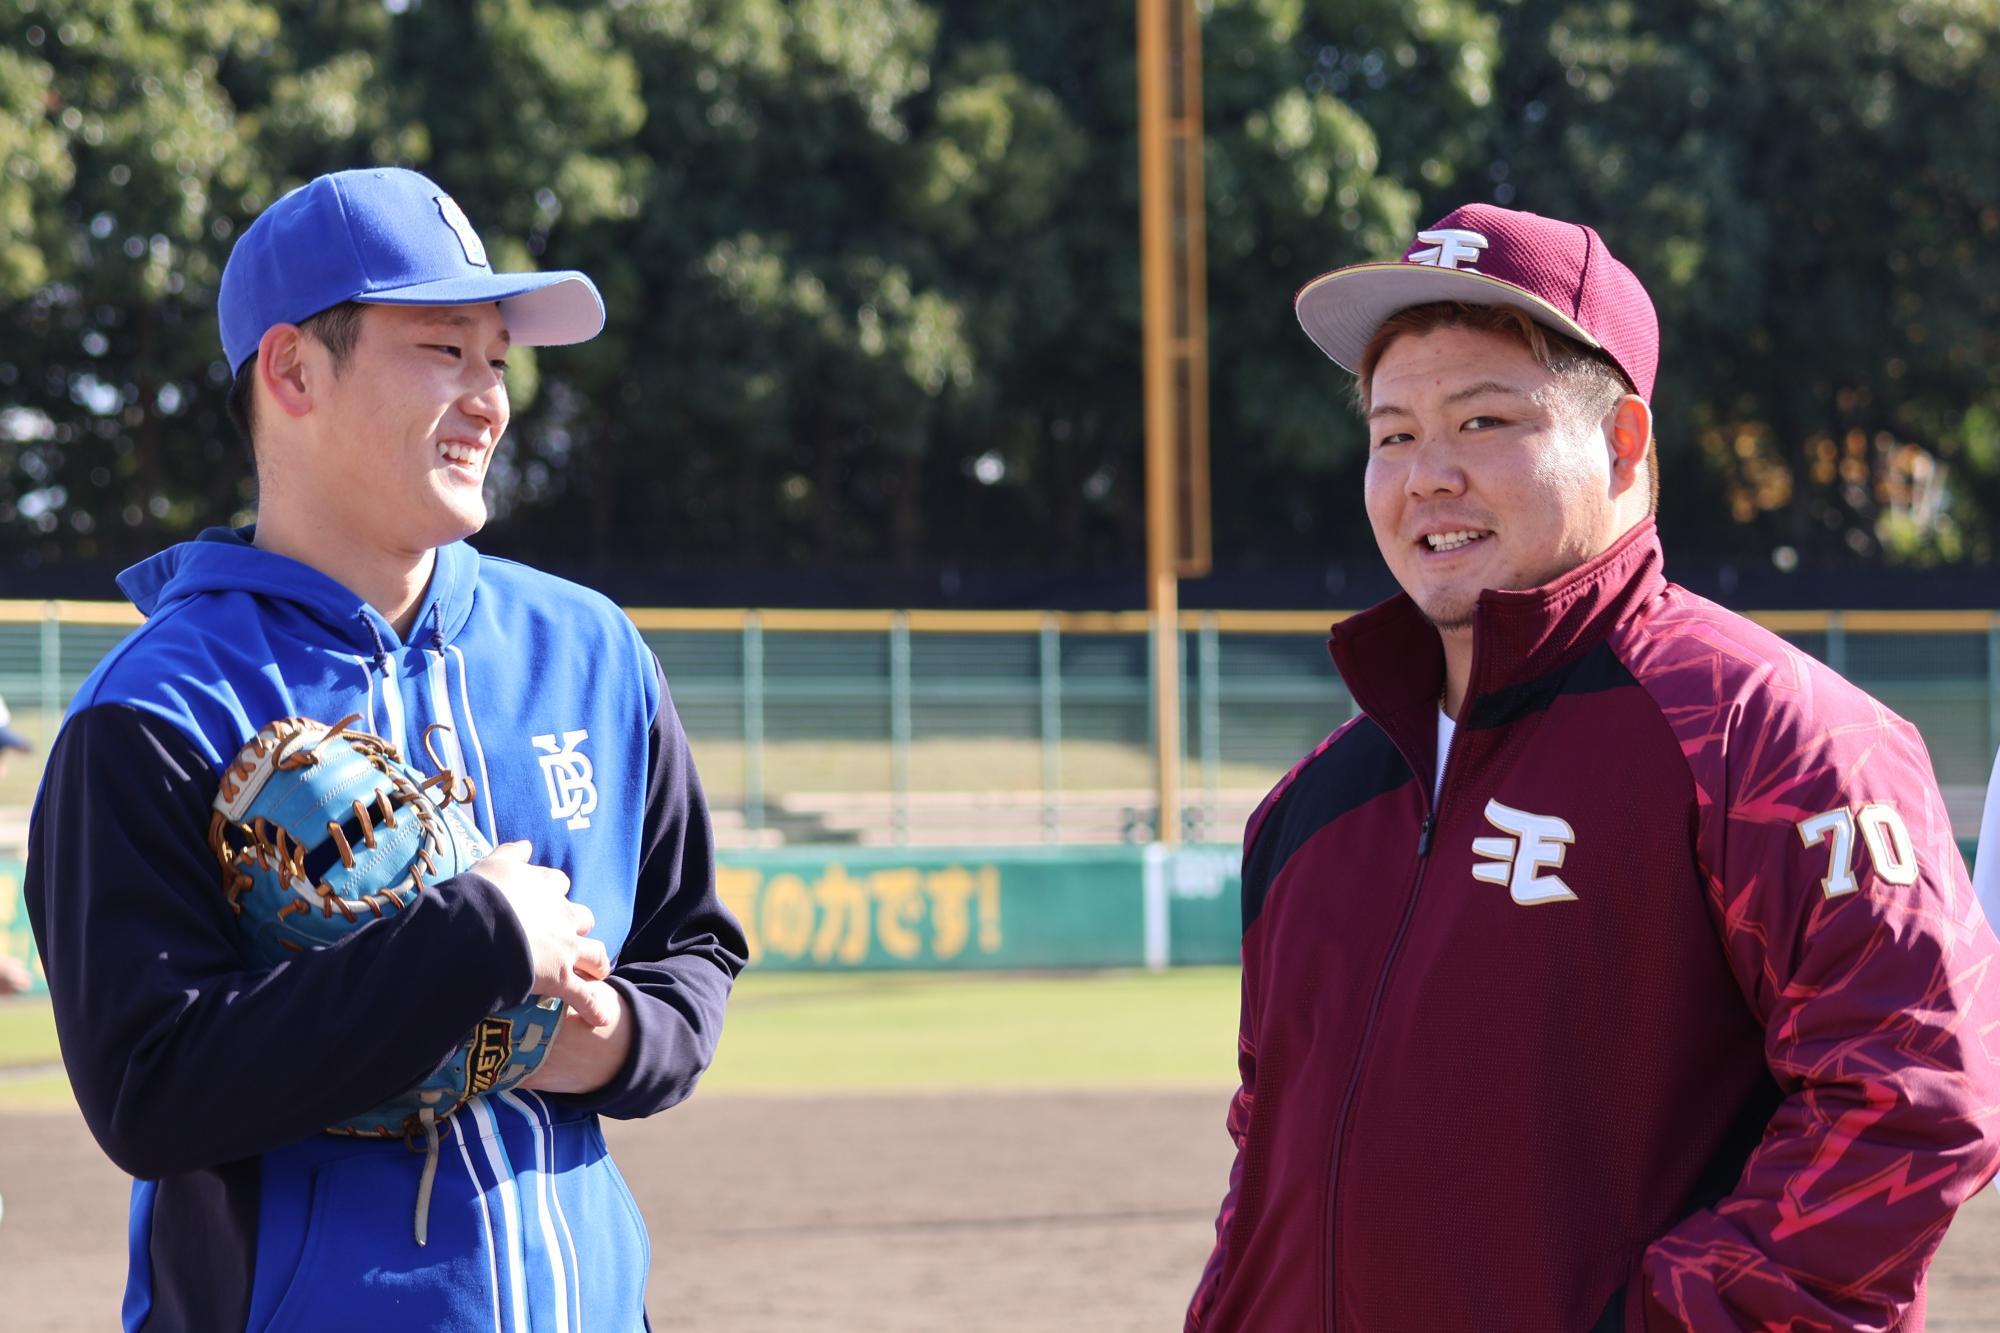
953, 728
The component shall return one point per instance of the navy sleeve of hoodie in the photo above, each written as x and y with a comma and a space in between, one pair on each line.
684, 950
178, 1057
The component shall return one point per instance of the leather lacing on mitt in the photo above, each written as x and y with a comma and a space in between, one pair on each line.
289, 745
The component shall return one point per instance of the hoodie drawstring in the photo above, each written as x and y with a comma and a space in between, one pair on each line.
428, 1116
423, 1220
460, 725
392, 698
381, 644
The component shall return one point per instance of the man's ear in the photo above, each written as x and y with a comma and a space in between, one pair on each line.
283, 371
1628, 430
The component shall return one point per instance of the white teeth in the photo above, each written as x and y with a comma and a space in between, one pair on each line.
457, 453
1451, 541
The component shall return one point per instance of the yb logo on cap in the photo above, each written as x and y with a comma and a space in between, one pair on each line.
461, 226
1448, 247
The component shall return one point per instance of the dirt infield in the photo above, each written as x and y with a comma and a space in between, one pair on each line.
1018, 1211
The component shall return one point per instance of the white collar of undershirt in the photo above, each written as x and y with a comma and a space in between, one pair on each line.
1446, 727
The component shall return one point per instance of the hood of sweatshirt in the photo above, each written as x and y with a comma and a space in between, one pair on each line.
225, 560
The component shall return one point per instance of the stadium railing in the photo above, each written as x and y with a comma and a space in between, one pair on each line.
956, 728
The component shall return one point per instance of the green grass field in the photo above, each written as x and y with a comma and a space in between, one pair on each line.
818, 1032
28, 1042
801, 1032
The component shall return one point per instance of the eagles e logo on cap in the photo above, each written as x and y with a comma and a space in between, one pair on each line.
1557, 273
1448, 247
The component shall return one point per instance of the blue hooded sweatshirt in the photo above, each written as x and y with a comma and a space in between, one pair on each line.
212, 1085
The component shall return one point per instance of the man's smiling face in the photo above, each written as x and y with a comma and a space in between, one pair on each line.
1477, 475
417, 410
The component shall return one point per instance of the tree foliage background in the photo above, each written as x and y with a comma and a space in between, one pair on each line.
872, 265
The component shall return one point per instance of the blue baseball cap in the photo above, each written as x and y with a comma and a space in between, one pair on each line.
384, 236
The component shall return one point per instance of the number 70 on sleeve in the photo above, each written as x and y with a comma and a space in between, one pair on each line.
1890, 850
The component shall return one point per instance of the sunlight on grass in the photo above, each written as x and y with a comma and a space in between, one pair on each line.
798, 1032
28, 1041
27, 1034
801, 1032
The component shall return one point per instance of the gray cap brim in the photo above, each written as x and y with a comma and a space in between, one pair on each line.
541, 309
1341, 310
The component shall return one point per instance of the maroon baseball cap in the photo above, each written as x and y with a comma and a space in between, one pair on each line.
1557, 273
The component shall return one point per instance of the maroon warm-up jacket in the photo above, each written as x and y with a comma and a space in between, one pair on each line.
1675, 1013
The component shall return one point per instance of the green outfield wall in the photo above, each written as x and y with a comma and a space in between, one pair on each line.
893, 908
882, 909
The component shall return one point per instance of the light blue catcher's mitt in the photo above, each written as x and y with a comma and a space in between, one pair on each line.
321, 830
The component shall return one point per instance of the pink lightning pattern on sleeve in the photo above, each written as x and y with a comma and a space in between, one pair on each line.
1879, 1015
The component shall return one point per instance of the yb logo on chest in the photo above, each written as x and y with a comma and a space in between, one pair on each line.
567, 772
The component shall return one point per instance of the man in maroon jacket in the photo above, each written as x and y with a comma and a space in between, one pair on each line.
1615, 968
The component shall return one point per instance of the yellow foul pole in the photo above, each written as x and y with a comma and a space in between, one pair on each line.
1173, 282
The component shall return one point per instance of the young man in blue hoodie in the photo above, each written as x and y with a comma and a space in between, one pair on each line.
369, 338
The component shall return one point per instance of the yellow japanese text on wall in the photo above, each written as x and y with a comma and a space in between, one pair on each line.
832, 916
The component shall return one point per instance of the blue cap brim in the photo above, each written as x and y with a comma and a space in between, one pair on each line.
11, 739
541, 309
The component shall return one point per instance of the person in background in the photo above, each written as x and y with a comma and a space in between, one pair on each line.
14, 974
1986, 855
10, 739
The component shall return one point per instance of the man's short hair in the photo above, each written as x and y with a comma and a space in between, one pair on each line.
1587, 380
337, 328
